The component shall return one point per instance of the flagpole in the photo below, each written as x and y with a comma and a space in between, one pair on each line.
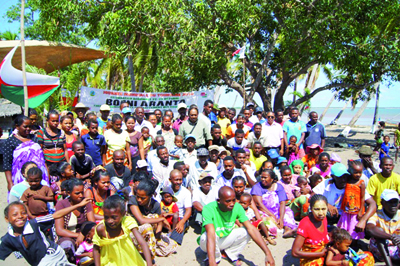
244, 83
26, 103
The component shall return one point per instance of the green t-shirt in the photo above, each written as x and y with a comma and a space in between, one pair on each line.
223, 222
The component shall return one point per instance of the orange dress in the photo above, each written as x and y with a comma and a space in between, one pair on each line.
351, 202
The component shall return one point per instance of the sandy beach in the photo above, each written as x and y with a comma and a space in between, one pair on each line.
190, 254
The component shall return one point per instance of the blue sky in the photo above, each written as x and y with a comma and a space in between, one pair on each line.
388, 96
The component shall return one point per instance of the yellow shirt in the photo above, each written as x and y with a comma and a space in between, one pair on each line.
377, 184
257, 161
224, 123
116, 141
119, 250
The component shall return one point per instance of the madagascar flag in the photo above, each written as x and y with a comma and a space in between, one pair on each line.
40, 87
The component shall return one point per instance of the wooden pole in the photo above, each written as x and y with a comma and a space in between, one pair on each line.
244, 83
376, 110
26, 102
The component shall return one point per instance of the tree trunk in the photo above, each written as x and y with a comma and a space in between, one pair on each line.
310, 84
132, 73
295, 89
340, 113
141, 82
327, 107
374, 122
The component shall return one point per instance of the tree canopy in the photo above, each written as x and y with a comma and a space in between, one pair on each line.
189, 44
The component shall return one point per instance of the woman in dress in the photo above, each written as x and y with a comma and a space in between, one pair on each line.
322, 167
168, 132
117, 139
270, 198
52, 140
20, 148
70, 137
68, 227
312, 234
136, 142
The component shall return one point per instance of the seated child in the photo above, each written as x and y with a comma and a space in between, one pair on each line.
81, 163
32, 247
18, 189
169, 208
147, 139
300, 204
203, 195
314, 180
36, 196
245, 201
112, 238
176, 152
288, 182
292, 150
340, 252
297, 167
84, 253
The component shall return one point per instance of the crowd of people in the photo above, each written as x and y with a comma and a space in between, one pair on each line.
122, 189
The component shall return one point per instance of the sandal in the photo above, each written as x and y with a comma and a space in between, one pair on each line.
271, 241
237, 262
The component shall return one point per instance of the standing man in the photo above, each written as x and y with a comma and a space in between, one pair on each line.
205, 115
279, 117
194, 125
80, 109
257, 135
103, 119
247, 114
231, 114
295, 127
275, 135
219, 232
182, 108
140, 122
315, 132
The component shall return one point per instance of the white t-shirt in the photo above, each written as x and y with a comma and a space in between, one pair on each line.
232, 144
161, 173
205, 119
204, 199
184, 200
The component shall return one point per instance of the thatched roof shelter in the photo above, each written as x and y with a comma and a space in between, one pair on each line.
8, 108
49, 56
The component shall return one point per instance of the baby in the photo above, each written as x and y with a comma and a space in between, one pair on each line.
84, 253
176, 152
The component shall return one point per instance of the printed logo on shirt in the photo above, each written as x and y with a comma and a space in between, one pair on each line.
317, 130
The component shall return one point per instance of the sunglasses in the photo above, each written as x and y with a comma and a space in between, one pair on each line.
270, 116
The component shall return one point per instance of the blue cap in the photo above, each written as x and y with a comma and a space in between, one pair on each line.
339, 169
281, 160
273, 154
126, 110
190, 136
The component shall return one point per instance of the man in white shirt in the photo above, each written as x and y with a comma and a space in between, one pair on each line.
184, 205
189, 155
275, 135
200, 166
225, 178
152, 156
203, 194
207, 108
140, 122
257, 135
162, 168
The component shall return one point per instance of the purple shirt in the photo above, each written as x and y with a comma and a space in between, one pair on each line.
259, 190
178, 122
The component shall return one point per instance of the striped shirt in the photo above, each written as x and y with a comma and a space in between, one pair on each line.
389, 225
53, 146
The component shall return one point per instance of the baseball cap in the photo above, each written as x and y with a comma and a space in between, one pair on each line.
182, 105
258, 109
222, 149
222, 106
105, 107
249, 104
190, 136
213, 148
141, 164
335, 157
169, 191
365, 150
273, 154
215, 106
126, 110
202, 152
339, 169
204, 175
389, 194
281, 160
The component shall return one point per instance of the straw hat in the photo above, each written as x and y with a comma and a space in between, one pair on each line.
80, 106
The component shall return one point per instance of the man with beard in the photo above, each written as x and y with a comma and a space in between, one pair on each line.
219, 232
162, 168
120, 174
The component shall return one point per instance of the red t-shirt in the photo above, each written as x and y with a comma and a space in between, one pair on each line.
311, 234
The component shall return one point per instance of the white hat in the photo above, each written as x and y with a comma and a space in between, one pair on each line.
182, 105
389, 194
222, 106
80, 105
141, 163
105, 107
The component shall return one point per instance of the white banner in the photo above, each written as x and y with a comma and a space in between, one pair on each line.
94, 98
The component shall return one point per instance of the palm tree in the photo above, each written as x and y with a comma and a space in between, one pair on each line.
8, 36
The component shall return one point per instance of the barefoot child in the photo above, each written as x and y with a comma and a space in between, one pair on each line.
385, 147
340, 253
26, 236
292, 150
113, 244
169, 208
354, 218
36, 196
